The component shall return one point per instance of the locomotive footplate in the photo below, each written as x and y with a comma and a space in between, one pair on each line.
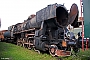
62, 53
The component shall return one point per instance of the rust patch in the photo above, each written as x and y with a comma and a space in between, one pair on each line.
63, 53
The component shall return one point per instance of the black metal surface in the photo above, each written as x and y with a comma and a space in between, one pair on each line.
50, 27
57, 11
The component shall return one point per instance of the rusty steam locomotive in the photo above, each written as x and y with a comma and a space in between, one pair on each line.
46, 31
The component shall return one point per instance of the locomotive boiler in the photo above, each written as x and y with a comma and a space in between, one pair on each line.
46, 31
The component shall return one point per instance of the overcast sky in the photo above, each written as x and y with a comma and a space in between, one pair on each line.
16, 11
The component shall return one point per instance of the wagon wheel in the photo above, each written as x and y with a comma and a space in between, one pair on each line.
52, 50
29, 47
18, 42
23, 41
76, 48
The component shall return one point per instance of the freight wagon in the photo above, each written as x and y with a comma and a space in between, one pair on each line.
47, 30
2, 35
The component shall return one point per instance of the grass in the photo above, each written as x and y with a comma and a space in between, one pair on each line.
14, 52
82, 55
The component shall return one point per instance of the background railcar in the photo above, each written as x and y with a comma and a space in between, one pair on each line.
2, 35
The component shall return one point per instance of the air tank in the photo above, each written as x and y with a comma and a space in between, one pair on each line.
56, 12
8, 34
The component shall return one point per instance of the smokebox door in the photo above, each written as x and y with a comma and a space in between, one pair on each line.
73, 14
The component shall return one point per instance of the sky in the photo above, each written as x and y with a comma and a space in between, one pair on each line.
16, 11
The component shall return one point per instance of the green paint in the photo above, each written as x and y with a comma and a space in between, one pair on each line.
86, 12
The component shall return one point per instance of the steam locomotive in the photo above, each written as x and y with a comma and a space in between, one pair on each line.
47, 30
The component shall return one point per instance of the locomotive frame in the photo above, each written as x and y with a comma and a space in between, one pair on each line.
46, 31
